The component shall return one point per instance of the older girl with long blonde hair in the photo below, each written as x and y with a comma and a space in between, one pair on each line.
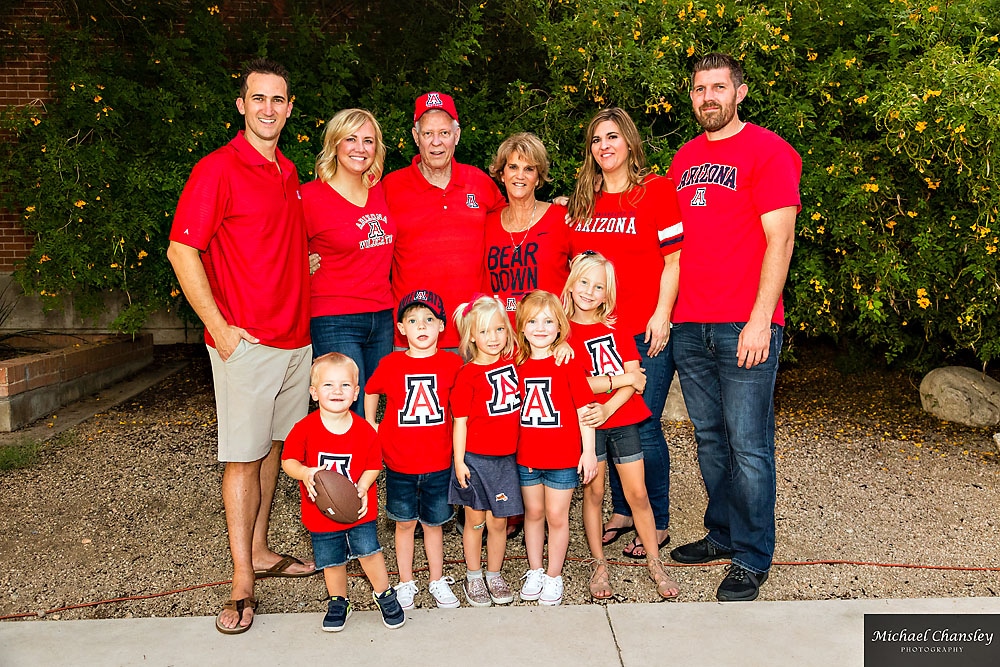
617, 381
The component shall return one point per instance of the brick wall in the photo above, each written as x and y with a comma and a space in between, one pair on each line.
23, 80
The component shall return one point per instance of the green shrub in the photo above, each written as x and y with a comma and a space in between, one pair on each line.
891, 103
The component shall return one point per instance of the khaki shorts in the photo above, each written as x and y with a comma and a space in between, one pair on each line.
260, 393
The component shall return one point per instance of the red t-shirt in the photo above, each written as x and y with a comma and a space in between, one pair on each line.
246, 217
519, 263
439, 235
550, 427
634, 229
351, 454
355, 246
602, 350
415, 433
489, 397
723, 187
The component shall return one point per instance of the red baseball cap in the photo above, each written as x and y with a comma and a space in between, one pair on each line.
430, 101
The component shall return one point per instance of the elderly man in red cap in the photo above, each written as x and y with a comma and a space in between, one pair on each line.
439, 207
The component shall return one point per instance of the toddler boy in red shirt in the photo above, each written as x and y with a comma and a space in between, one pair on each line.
336, 439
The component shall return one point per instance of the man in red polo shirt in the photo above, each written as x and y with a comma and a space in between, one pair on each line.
440, 209
238, 247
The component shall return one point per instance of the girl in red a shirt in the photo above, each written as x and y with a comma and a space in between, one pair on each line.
550, 457
616, 379
485, 405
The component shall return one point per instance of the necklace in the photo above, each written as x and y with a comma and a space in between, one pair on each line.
527, 228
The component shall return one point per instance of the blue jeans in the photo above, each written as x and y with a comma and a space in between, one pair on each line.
655, 455
364, 337
419, 497
732, 410
335, 548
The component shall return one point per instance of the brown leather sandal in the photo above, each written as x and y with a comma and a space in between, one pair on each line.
600, 581
239, 606
666, 587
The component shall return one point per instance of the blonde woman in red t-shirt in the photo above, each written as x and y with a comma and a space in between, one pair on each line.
351, 237
617, 381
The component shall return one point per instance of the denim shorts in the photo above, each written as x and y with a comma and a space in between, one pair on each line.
421, 498
336, 548
621, 442
554, 478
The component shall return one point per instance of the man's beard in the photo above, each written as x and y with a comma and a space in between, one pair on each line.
717, 120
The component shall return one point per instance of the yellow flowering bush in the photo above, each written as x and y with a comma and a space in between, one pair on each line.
892, 105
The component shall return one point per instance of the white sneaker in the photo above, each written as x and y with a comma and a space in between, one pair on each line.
405, 592
441, 590
552, 591
532, 587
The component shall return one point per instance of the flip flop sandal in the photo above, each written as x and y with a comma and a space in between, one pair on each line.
239, 606
615, 534
280, 569
629, 550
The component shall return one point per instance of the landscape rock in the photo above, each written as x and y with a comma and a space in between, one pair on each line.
962, 395
675, 410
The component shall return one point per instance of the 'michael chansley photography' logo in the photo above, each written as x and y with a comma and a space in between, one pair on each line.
931, 639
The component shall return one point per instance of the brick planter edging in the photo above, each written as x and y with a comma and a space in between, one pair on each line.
35, 385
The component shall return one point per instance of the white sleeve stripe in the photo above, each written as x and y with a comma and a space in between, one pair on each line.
673, 230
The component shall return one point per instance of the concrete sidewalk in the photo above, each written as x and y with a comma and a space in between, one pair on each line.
776, 634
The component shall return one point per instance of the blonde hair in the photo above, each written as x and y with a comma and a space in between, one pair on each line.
580, 266
332, 359
531, 305
343, 124
531, 148
475, 316
590, 180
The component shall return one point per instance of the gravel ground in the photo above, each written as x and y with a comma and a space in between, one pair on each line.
128, 505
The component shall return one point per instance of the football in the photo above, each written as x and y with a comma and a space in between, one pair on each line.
336, 496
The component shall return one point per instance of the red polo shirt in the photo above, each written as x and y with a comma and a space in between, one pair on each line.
440, 235
246, 217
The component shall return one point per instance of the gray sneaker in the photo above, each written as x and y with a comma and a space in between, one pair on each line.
500, 592
476, 592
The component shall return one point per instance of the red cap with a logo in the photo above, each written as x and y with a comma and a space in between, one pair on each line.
430, 101
425, 298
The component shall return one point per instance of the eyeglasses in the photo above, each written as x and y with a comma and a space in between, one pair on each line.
588, 253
